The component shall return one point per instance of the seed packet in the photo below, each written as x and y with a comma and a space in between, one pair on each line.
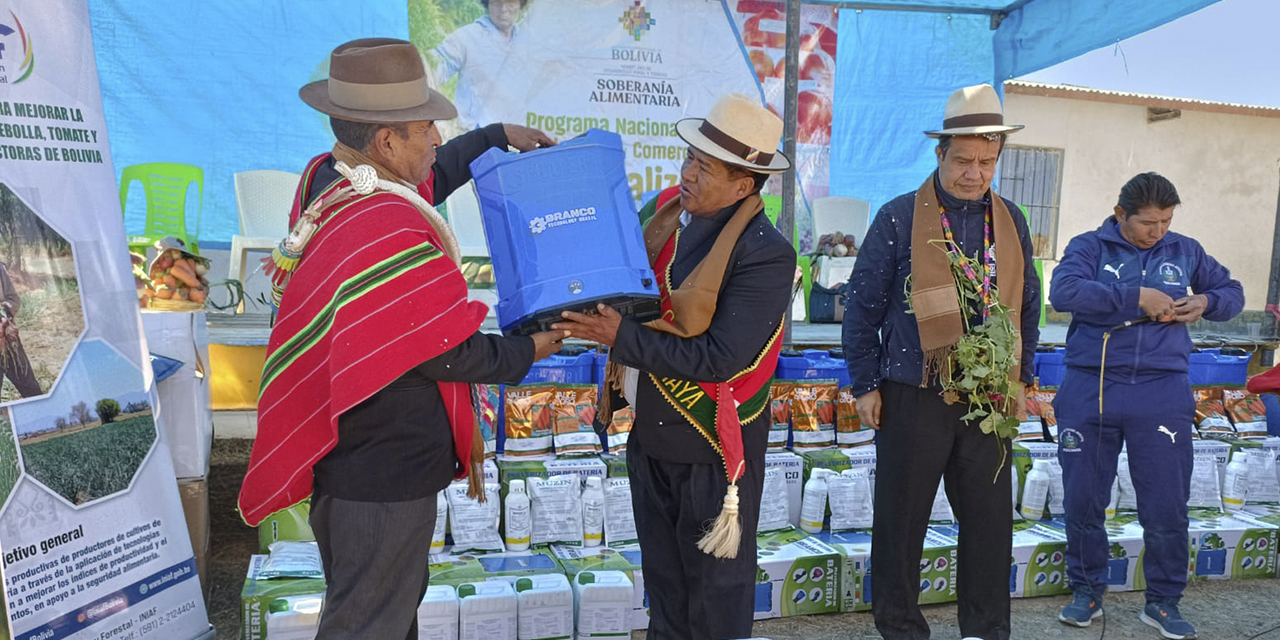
1211, 415
1246, 411
813, 414
293, 560
620, 429
773, 502
556, 504
575, 416
474, 524
529, 419
619, 519
780, 414
488, 399
849, 430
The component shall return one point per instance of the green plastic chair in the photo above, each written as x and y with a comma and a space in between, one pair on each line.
772, 208
165, 185
1044, 293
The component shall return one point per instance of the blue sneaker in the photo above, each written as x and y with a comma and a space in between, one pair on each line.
1165, 617
1083, 609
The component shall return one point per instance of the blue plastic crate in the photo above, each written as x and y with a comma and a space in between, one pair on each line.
1051, 366
812, 364
1213, 367
563, 232
570, 366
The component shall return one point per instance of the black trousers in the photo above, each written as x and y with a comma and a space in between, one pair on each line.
692, 595
375, 563
921, 440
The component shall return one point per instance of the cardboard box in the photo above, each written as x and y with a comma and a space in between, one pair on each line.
267, 605
834, 459
1039, 563
584, 466
575, 560
1232, 546
855, 559
797, 574
184, 411
792, 467
1126, 549
937, 563
194, 494
454, 570
615, 464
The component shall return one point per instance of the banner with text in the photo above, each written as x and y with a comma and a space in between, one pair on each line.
92, 533
634, 67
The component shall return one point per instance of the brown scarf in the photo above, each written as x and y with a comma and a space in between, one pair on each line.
694, 300
934, 298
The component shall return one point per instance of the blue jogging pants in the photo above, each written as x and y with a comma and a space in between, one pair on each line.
1154, 418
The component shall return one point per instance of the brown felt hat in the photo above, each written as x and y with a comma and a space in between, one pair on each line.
378, 80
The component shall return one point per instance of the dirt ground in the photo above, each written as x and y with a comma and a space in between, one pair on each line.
1221, 610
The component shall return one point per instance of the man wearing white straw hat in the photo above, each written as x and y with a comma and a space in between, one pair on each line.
698, 377
909, 309
365, 403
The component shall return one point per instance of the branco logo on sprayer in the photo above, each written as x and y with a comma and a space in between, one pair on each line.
539, 224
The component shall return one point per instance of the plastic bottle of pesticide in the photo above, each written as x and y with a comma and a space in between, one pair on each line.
442, 516
1036, 492
813, 506
516, 515
1115, 499
593, 513
1235, 488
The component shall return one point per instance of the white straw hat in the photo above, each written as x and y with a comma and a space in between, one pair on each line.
740, 132
974, 111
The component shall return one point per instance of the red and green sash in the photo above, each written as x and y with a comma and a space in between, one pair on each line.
702, 403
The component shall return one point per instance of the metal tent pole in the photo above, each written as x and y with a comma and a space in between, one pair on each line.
787, 217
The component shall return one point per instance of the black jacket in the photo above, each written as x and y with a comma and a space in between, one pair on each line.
398, 445
754, 295
881, 340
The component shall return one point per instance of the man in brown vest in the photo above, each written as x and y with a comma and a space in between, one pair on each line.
698, 377
900, 331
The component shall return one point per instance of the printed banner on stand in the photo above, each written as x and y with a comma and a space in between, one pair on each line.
634, 67
92, 532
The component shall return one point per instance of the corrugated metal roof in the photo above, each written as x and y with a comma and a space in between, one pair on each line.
1076, 92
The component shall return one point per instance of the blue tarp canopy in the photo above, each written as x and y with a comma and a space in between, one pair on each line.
897, 62
212, 83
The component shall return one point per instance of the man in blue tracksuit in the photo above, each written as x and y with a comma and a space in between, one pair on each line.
1133, 266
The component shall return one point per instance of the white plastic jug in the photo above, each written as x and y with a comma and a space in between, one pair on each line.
438, 614
294, 617
545, 607
486, 611
602, 600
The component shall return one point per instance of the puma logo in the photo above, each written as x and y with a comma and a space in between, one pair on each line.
1172, 436
1115, 270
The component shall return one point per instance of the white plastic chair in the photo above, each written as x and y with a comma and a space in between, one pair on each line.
264, 198
837, 213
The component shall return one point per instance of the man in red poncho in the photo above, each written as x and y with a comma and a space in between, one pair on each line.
365, 402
